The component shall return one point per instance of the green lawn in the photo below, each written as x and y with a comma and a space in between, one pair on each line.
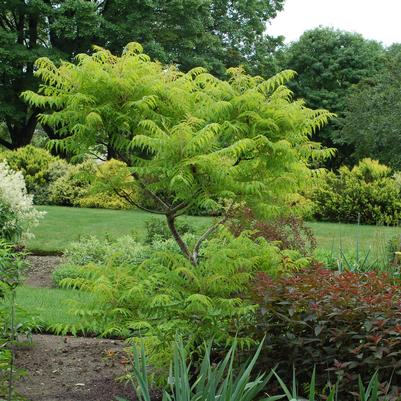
333, 236
61, 225
51, 305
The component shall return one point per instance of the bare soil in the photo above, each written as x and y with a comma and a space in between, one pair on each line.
68, 368
39, 274
72, 369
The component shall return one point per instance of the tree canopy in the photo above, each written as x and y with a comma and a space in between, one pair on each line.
214, 34
211, 33
29, 30
189, 138
329, 63
372, 125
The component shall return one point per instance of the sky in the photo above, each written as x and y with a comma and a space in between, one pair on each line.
379, 20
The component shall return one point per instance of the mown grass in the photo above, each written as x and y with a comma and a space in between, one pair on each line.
61, 225
333, 236
50, 306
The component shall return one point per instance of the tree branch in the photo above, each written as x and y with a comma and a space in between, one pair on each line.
159, 200
180, 206
6, 144
210, 230
183, 246
128, 198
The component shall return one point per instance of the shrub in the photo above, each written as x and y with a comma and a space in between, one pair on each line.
64, 271
38, 167
123, 251
368, 191
166, 293
73, 185
17, 214
288, 232
90, 185
111, 187
346, 324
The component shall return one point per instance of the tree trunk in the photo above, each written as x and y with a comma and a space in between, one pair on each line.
177, 237
21, 133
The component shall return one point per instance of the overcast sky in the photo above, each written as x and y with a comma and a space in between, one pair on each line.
379, 20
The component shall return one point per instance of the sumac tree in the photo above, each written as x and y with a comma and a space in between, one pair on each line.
190, 139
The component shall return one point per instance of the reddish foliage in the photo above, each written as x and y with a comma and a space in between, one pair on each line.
290, 232
347, 324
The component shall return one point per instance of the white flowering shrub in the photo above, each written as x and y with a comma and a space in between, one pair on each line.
17, 214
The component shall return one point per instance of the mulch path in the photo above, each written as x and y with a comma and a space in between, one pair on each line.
69, 368
39, 273
72, 369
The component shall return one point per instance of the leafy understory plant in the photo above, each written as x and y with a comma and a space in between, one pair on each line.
189, 140
219, 381
224, 381
12, 266
164, 293
17, 214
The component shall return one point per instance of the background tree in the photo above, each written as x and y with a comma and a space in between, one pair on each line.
28, 30
190, 139
214, 34
372, 124
187, 33
329, 62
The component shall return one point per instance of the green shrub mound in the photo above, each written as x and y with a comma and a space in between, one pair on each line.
367, 193
53, 181
73, 185
156, 292
39, 169
125, 250
344, 324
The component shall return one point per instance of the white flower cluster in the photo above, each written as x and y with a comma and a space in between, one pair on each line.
17, 214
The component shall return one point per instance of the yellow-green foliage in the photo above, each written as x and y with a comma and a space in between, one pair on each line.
166, 294
38, 167
88, 185
111, 177
73, 185
53, 181
191, 137
367, 192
